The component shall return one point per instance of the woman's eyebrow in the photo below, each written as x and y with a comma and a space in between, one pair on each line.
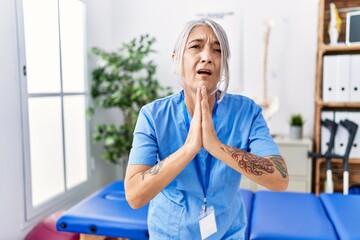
200, 40
197, 40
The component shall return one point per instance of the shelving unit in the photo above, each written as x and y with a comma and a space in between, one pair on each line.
337, 166
320, 105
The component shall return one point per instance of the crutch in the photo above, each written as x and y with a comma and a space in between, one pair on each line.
351, 127
332, 127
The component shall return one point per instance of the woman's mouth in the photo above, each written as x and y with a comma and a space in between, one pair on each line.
204, 72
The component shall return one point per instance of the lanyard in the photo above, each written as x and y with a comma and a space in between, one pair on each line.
204, 182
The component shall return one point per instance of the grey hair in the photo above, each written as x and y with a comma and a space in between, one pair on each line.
179, 48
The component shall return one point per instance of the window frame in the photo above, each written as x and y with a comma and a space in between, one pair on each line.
69, 196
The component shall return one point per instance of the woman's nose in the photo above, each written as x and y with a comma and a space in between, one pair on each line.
206, 56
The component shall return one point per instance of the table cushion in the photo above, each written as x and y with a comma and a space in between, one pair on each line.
344, 213
248, 202
106, 213
289, 215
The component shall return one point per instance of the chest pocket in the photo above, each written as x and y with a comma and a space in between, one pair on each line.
164, 218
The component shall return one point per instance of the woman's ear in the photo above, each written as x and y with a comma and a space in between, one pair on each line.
173, 56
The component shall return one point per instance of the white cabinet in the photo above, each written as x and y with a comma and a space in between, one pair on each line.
295, 153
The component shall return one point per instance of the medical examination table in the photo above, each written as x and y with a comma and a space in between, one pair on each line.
271, 215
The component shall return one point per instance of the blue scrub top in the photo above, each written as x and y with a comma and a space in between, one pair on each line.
161, 130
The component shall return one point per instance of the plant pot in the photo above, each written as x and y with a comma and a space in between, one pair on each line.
296, 132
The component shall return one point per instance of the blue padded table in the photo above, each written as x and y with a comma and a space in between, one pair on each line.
106, 213
344, 212
289, 215
248, 200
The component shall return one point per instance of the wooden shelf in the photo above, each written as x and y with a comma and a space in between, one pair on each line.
325, 49
337, 168
347, 105
339, 49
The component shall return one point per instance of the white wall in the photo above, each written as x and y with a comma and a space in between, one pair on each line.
11, 181
292, 53
292, 57
12, 212
101, 33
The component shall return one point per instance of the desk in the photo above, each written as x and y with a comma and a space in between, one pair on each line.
105, 213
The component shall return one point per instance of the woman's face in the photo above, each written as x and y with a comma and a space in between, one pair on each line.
201, 60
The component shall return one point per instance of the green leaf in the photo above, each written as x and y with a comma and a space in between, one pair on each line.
109, 141
90, 112
96, 136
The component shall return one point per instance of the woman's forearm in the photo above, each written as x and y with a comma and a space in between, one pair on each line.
143, 183
269, 171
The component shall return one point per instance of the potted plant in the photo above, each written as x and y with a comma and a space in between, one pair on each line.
124, 80
296, 126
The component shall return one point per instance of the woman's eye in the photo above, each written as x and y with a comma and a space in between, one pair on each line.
195, 46
218, 50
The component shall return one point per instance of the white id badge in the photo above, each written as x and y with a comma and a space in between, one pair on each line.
207, 222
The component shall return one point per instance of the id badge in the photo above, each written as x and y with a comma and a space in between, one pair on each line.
207, 222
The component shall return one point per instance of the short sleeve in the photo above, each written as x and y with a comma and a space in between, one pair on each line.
260, 141
144, 148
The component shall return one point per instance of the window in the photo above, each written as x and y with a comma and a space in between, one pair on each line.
52, 58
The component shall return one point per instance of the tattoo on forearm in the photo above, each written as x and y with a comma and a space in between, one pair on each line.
255, 165
152, 171
280, 165
251, 164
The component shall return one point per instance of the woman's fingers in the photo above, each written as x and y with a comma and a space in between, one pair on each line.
194, 137
197, 111
205, 104
208, 130
205, 111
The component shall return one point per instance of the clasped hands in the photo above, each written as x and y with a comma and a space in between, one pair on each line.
202, 131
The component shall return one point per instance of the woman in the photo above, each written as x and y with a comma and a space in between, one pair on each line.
191, 149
